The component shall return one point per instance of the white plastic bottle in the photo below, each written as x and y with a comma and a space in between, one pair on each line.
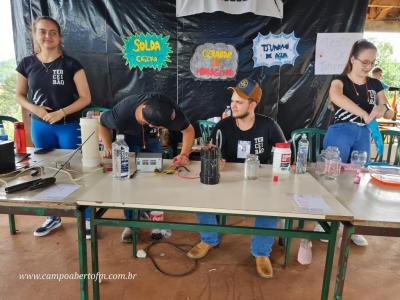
227, 112
302, 154
120, 158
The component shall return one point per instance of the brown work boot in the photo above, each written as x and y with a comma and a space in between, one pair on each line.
199, 251
264, 267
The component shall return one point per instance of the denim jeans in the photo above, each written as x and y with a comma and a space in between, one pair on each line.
153, 146
260, 245
348, 137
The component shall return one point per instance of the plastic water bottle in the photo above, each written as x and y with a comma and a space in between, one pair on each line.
227, 112
302, 154
120, 158
3, 135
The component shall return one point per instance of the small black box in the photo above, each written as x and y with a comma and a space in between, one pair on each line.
7, 157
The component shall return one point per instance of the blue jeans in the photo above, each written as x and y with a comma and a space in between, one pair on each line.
153, 146
261, 245
348, 137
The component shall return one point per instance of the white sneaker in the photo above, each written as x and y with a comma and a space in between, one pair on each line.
126, 236
318, 228
88, 232
359, 240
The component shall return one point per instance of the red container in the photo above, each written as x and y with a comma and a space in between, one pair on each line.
156, 216
19, 138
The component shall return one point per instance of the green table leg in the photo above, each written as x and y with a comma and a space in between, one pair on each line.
95, 258
348, 230
301, 224
223, 220
80, 218
135, 232
11, 223
329, 260
288, 241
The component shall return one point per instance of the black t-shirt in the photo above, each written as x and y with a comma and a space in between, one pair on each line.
367, 98
51, 84
122, 116
259, 139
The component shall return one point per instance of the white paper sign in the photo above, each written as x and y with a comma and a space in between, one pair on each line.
275, 49
270, 8
332, 51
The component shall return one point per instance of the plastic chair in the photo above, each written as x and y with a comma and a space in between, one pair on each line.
7, 118
11, 219
206, 128
315, 137
391, 137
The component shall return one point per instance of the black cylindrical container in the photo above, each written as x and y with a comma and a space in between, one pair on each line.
210, 157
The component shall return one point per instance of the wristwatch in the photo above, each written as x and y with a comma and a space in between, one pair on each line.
388, 107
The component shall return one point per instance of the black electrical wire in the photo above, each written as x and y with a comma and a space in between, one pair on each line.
180, 248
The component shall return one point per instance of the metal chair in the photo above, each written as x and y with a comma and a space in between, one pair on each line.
11, 218
391, 138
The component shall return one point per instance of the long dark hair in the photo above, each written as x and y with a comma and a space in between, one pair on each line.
36, 47
357, 48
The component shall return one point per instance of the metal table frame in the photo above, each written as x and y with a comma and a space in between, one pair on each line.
77, 212
348, 230
97, 219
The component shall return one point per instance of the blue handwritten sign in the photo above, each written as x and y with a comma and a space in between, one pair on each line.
275, 50
147, 51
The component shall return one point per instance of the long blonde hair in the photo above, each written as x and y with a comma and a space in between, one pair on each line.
36, 47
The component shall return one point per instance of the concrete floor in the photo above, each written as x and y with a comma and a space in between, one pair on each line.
228, 272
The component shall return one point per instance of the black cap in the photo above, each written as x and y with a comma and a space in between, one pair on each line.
159, 110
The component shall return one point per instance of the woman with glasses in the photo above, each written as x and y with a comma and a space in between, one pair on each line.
358, 100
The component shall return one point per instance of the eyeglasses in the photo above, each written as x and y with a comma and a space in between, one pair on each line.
367, 63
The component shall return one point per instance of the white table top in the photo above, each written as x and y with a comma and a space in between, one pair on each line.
232, 195
371, 203
32, 198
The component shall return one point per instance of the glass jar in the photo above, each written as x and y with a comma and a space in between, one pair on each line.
332, 163
251, 166
320, 164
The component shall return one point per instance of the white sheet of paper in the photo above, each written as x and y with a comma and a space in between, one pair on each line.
332, 51
311, 203
59, 191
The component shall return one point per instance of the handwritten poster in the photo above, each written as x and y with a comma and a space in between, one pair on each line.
147, 51
332, 51
214, 61
275, 49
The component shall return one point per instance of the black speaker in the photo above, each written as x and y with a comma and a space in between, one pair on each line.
7, 157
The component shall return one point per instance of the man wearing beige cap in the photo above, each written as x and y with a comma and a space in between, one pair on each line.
245, 132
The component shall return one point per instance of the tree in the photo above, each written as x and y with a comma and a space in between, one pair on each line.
8, 104
389, 64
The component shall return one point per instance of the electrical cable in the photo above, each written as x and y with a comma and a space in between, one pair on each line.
180, 248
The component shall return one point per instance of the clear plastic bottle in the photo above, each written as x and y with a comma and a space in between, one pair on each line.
227, 112
3, 135
302, 154
120, 158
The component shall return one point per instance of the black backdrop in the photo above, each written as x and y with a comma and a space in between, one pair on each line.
93, 33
